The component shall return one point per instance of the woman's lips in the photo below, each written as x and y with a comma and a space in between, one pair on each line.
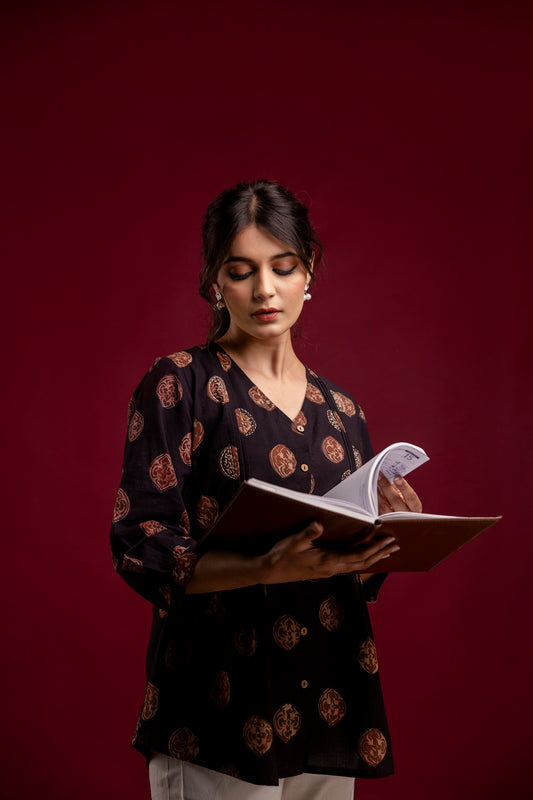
266, 314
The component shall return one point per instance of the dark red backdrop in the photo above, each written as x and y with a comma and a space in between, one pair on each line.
409, 134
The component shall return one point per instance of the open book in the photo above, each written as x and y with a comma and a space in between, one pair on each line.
260, 513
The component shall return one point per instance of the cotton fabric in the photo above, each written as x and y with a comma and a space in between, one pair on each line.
264, 682
172, 779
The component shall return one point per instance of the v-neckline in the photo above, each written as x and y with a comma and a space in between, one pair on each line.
255, 386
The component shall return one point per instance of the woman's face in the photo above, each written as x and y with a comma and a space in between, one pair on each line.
262, 283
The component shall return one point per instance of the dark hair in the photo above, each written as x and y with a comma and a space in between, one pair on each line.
262, 203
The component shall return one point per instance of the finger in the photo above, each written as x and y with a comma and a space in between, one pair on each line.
410, 497
313, 531
391, 494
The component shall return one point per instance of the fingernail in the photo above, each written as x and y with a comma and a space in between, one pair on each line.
398, 480
390, 540
394, 549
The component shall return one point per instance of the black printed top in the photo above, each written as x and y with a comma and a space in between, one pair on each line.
262, 682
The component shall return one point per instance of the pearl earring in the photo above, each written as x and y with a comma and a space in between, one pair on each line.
307, 295
220, 302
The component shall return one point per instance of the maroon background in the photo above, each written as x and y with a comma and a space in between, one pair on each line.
409, 134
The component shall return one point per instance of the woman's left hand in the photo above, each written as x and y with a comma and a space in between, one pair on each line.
396, 496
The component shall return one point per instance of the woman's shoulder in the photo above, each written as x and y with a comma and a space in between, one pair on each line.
342, 399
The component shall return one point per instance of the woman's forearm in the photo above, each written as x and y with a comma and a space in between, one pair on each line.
218, 570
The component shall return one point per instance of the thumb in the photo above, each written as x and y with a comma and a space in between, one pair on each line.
313, 531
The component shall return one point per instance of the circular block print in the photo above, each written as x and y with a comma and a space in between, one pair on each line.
368, 656
184, 744
181, 358
335, 420
330, 614
286, 632
220, 690
228, 462
344, 404
372, 747
162, 472
197, 433
216, 390
206, 512
151, 526
331, 707
283, 460
245, 641
261, 399
169, 390
314, 395
225, 361
333, 449
122, 505
185, 564
257, 733
135, 427
287, 722
245, 422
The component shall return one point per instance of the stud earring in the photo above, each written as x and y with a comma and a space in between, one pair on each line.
307, 295
220, 302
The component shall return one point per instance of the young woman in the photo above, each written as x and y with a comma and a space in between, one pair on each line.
263, 678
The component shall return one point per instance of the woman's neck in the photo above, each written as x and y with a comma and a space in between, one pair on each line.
275, 358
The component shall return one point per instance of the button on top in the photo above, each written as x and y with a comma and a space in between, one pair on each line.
304, 631
304, 684
304, 467
300, 428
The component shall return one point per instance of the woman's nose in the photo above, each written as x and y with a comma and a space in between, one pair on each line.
264, 286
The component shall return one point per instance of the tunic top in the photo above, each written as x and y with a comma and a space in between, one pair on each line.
262, 682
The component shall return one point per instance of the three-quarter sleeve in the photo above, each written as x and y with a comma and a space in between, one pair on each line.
150, 535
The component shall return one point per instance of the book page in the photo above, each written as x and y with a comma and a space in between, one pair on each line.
360, 488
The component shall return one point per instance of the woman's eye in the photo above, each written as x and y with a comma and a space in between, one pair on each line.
285, 271
239, 276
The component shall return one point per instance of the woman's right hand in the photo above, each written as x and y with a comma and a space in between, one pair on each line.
298, 558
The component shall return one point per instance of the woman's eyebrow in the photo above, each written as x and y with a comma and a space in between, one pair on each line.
245, 260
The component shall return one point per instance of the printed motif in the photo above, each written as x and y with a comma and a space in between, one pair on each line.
245, 641
372, 747
184, 522
228, 462
135, 427
169, 390
206, 512
216, 606
122, 505
335, 420
314, 395
151, 526
154, 363
131, 406
333, 449
312, 484
197, 433
220, 690
258, 735
245, 422
345, 474
184, 744
225, 361
261, 399
283, 460
216, 390
357, 456
181, 358
344, 404
162, 472
299, 420
229, 769
287, 722
185, 449
330, 614
286, 632
368, 656
331, 707
130, 564
185, 565
362, 414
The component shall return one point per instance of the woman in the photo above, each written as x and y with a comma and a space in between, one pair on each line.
262, 672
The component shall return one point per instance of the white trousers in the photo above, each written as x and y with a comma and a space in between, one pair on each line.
172, 779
